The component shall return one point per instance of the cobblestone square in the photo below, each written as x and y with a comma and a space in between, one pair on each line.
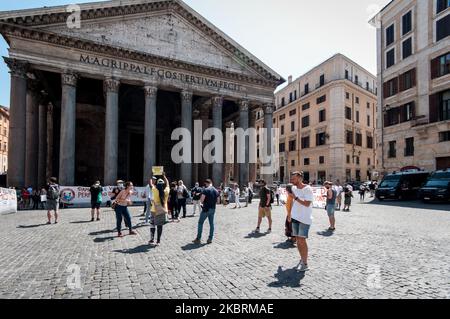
380, 250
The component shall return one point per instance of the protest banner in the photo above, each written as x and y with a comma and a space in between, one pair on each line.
78, 195
8, 201
318, 192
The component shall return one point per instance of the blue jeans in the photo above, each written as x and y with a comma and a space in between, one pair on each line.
148, 211
122, 212
203, 216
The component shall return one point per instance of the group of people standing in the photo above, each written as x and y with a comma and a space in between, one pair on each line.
164, 203
233, 195
31, 198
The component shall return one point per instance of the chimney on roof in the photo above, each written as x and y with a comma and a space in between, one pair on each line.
290, 79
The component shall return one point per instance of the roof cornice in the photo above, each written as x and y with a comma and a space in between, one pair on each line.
13, 30
110, 9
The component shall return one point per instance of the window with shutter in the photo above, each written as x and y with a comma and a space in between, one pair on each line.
434, 68
443, 28
434, 110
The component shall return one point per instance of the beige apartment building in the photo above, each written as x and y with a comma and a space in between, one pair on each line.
413, 48
4, 130
326, 120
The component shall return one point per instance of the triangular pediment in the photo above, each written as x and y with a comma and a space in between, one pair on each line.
169, 29
166, 35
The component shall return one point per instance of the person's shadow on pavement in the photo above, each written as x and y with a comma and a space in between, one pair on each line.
192, 246
137, 250
255, 235
325, 233
31, 226
287, 278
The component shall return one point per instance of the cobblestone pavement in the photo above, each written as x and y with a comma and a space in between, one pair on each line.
380, 250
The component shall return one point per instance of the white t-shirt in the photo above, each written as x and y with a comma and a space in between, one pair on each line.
299, 212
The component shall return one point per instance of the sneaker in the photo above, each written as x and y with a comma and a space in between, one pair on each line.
151, 242
132, 232
331, 229
98, 219
120, 235
92, 219
269, 230
56, 222
209, 241
158, 244
49, 223
256, 231
197, 241
302, 267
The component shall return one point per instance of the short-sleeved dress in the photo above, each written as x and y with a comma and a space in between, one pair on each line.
157, 201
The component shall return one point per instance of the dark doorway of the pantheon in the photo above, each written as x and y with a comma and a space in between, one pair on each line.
131, 132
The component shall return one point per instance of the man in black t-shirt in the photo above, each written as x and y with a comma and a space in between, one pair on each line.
265, 207
196, 194
209, 201
96, 200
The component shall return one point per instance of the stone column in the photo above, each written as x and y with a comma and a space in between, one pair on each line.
203, 167
252, 166
243, 123
217, 168
151, 93
17, 122
32, 134
42, 157
268, 125
111, 89
186, 122
49, 141
68, 122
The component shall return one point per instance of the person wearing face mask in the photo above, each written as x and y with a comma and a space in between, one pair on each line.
331, 204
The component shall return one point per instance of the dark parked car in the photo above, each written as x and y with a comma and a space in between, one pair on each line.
401, 186
437, 187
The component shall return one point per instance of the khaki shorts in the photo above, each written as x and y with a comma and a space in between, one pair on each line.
265, 212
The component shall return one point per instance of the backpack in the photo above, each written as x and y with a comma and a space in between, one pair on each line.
272, 196
53, 192
185, 193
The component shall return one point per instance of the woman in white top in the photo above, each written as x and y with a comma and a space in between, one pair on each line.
237, 194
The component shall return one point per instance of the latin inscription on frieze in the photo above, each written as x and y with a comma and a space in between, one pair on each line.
158, 72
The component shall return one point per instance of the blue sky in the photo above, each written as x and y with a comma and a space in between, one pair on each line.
291, 36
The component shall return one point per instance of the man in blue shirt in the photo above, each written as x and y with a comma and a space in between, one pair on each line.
209, 201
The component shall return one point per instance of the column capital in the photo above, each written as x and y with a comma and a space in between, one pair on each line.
186, 96
204, 110
69, 78
43, 97
17, 68
50, 108
217, 101
111, 85
268, 108
150, 91
33, 86
244, 105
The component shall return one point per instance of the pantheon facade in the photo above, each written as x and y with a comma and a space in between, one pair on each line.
97, 92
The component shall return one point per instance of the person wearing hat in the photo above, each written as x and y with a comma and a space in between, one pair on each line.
159, 209
149, 198
330, 207
96, 199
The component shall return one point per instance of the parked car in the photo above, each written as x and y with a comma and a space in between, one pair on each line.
437, 187
401, 186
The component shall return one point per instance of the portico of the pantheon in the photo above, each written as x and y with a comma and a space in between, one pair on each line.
99, 100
